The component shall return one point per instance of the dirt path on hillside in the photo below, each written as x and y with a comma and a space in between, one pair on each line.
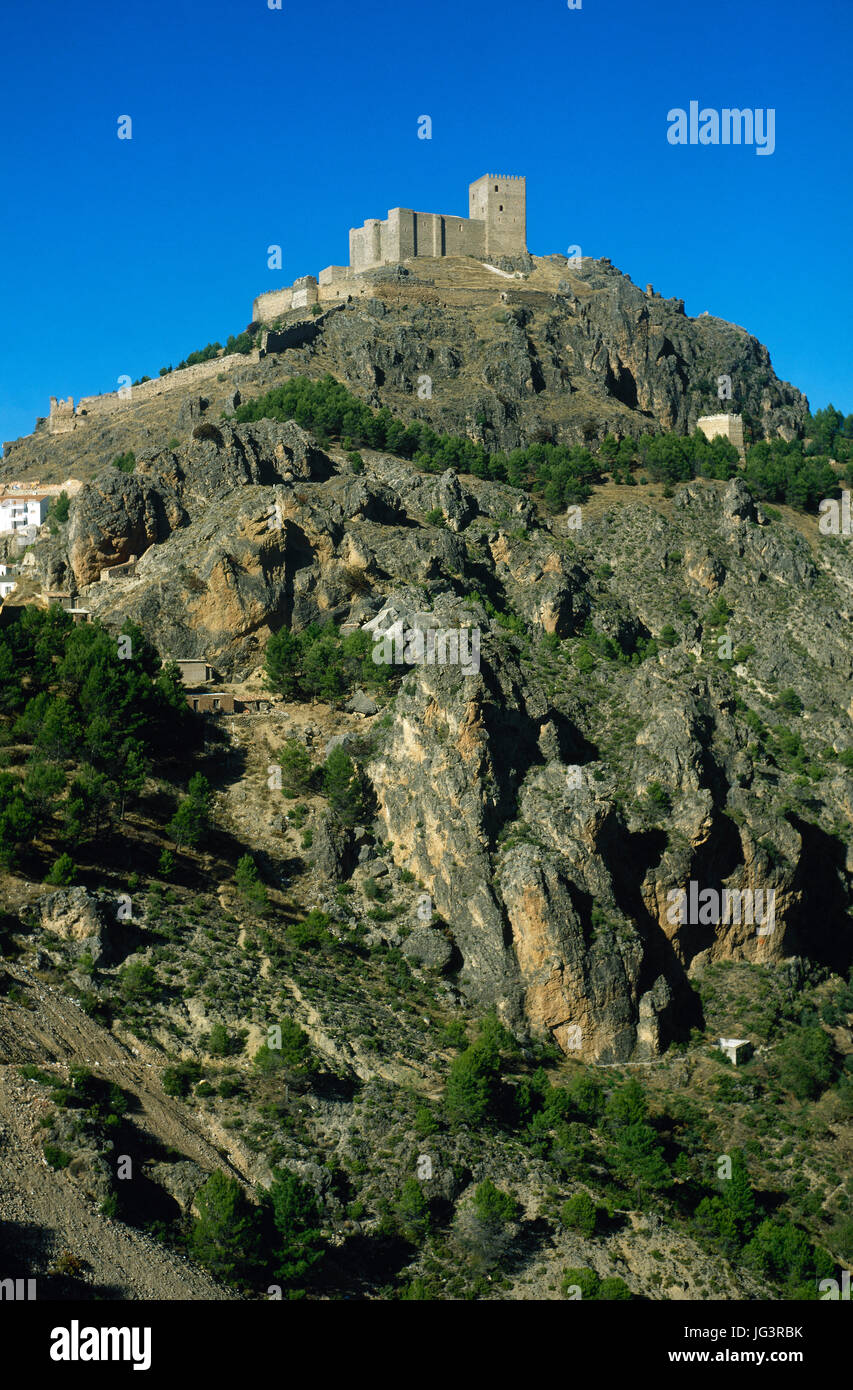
50, 1204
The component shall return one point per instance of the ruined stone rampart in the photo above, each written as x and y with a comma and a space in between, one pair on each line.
729, 426
64, 417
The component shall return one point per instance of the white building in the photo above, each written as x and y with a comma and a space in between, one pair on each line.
736, 1049
6, 587
17, 513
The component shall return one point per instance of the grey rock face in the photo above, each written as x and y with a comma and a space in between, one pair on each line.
458, 506
191, 411
332, 850
553, 799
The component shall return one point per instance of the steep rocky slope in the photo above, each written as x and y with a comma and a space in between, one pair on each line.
566, 350
520, 793
662, 696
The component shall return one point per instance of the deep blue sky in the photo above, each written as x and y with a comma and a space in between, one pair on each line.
254, 126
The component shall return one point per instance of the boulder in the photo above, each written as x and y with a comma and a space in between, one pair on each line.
191, 411
359, 703
457, 505
332, 849
427, 947
181, 1180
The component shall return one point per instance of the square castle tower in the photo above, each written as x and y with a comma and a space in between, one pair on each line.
496, 226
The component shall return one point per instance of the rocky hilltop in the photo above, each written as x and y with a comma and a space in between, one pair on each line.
537, 347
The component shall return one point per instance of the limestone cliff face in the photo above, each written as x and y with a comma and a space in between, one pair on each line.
575, 350
117, 515
554, 800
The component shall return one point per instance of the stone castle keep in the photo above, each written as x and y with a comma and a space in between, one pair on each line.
496, 225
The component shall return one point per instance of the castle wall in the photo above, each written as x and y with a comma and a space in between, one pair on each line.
61, 417
365, 244
730, 426
462, 237
272, 305
99, 406
304, 292
406, 233
333, 274
403, 235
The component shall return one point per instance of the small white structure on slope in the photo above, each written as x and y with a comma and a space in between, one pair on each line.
736, 1049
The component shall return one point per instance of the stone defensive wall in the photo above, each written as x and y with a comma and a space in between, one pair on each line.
64, 417
730, 426
336, 284
405, 233
162, 385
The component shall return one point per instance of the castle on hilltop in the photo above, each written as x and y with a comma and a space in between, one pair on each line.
496, 226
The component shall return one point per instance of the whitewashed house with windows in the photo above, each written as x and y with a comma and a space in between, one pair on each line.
17, 513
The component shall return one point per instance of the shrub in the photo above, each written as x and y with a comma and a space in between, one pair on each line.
218, 1041
190, 823
59, 508
298, 1244
492, 1205
297, 771
804, 1062
226, 1234
178, 1080
471, 1089
789, 702
579, 1283
612, 1289
63, 871
310, 932
55, 1157
782, 1252
342, 785
137, 982
412, 1211
293, 1056
249, 884
579, 1214
425, 1122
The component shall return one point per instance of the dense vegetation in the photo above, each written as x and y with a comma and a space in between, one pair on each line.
561, 473
95, 711
797, 473
319, 663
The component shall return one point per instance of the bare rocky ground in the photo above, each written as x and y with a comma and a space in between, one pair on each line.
45, 1214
